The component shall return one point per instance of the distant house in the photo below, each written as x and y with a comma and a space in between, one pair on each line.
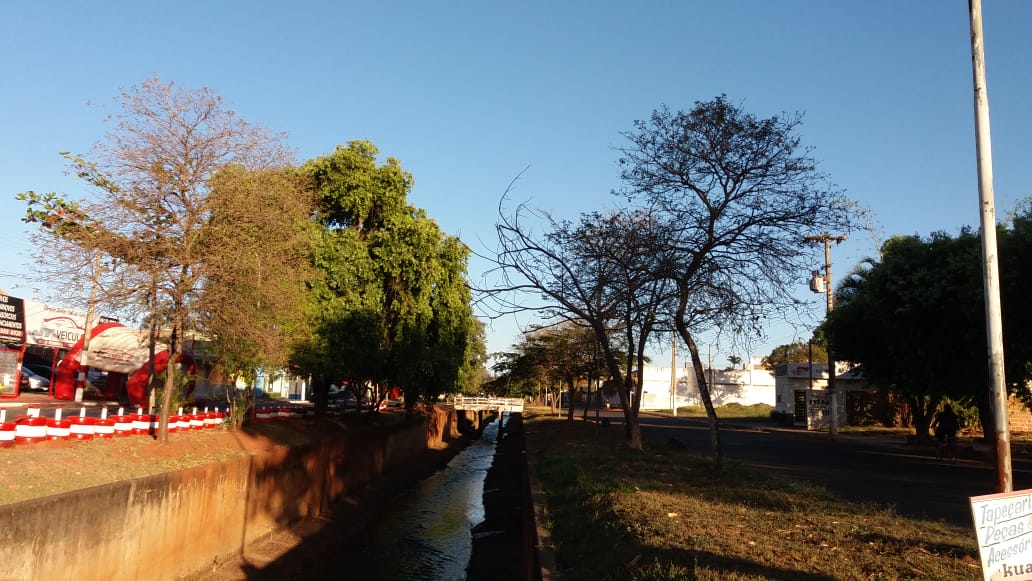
802, 392
752, 385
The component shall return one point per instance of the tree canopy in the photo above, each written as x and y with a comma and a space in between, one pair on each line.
915, 319
150, 217
391, 307
734, 196
797, 352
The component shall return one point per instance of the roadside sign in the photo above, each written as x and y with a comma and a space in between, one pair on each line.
1003, 524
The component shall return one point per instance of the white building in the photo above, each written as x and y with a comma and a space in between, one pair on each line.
802, 392
753, 385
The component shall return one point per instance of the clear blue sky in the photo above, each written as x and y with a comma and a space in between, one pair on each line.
468, 94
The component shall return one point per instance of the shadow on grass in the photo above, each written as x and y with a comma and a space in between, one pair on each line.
903, 545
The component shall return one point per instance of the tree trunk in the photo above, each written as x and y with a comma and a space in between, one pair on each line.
633, 431
572, 393
923, 411
174, 352
704, 393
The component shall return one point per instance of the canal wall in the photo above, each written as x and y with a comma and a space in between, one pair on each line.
171, 525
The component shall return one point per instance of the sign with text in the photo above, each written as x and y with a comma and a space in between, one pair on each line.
1003, 523
56, 327
12, 320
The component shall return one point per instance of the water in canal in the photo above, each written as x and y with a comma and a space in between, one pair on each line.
428, 536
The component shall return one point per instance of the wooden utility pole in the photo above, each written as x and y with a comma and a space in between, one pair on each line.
830, 298
990, 266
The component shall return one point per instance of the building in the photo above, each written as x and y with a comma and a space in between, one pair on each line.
749, 386
802, 392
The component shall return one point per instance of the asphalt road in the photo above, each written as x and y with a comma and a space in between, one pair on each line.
883, 470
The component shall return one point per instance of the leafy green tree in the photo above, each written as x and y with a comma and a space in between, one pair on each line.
391, 305
797, 352
915, 321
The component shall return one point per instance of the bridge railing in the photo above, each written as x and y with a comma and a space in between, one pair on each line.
498, 404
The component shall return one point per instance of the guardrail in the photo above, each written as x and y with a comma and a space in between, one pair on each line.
497, 404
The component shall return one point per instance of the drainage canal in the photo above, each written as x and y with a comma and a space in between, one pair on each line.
428, 535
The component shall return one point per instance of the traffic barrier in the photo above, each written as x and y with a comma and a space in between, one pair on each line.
105, 426
33, 428
57, 428
196, 420
123, 423
209, 418
30, 430
141, 423
182, 421
7, 430
82, 427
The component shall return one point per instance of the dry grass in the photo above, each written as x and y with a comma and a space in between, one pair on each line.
34, 470
663, 514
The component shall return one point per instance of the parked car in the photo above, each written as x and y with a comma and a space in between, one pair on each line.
44, 370
32, 381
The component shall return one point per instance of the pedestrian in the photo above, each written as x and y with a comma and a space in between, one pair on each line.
946, 426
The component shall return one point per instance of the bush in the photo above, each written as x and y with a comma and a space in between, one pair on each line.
781, 418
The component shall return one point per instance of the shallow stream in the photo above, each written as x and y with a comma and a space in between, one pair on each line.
428, 536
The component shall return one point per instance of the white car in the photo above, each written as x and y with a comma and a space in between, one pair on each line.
32, 381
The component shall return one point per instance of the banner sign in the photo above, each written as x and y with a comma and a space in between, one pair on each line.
1003, 523
56, 327
12, 320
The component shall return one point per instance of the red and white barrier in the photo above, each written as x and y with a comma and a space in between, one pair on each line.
141, 423
123, 423
7, 430
30, 430
82, 427
105, 426
196, 420
57, 428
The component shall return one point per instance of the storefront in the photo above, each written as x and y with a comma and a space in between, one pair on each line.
12, 343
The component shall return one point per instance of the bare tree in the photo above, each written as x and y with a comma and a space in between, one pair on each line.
152, 178
593, 273
734, 197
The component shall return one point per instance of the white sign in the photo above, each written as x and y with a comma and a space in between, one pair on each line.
53, 326
1003, 523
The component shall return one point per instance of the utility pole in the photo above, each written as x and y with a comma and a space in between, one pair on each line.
84, 355
990, 266
832, 392
673, 378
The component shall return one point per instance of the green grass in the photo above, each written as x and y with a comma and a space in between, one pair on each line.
617, 514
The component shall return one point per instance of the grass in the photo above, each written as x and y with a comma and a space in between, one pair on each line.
617, 514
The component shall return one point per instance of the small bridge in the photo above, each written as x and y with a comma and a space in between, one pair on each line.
494, 404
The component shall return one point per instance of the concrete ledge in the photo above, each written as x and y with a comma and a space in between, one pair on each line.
170, 525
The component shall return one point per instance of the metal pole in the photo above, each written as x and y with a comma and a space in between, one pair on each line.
673, 378
990, 272
84, 356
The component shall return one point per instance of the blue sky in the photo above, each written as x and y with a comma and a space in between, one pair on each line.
468, 94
